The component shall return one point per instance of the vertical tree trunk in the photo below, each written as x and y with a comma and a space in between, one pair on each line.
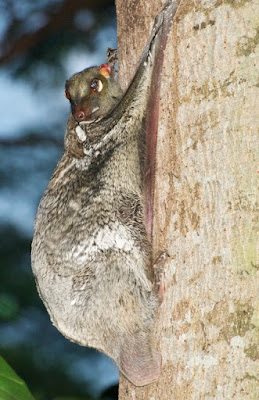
205, 215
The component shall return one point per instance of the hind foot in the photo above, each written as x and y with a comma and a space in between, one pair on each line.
159, 274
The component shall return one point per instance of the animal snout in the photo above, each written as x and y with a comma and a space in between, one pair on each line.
79, 115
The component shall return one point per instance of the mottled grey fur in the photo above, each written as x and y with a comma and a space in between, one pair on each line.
90, 253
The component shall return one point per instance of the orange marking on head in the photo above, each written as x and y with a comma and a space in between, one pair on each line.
105, 70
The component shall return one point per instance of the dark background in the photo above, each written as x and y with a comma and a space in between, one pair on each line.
42, 43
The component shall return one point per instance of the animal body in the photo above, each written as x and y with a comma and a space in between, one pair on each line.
91, 251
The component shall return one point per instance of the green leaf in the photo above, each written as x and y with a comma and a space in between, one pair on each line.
8, 307
11, 386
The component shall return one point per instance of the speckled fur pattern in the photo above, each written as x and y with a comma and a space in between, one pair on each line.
91, 255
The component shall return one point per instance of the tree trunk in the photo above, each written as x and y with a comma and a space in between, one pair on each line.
205, 200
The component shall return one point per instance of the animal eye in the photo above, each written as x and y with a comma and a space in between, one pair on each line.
67, 94
96, 85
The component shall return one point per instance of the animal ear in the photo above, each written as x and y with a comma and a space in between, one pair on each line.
105, 70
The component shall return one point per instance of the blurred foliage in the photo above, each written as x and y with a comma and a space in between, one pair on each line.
11, 386
36, 39
42, 32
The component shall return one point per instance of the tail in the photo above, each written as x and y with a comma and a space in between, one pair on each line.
139, 362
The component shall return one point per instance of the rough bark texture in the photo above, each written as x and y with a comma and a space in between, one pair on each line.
206, 214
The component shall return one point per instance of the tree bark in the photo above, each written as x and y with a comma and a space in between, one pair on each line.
206, 214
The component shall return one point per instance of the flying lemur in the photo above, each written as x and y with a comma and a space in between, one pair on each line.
91, 250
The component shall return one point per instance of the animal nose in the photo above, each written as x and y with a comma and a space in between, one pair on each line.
80, 115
